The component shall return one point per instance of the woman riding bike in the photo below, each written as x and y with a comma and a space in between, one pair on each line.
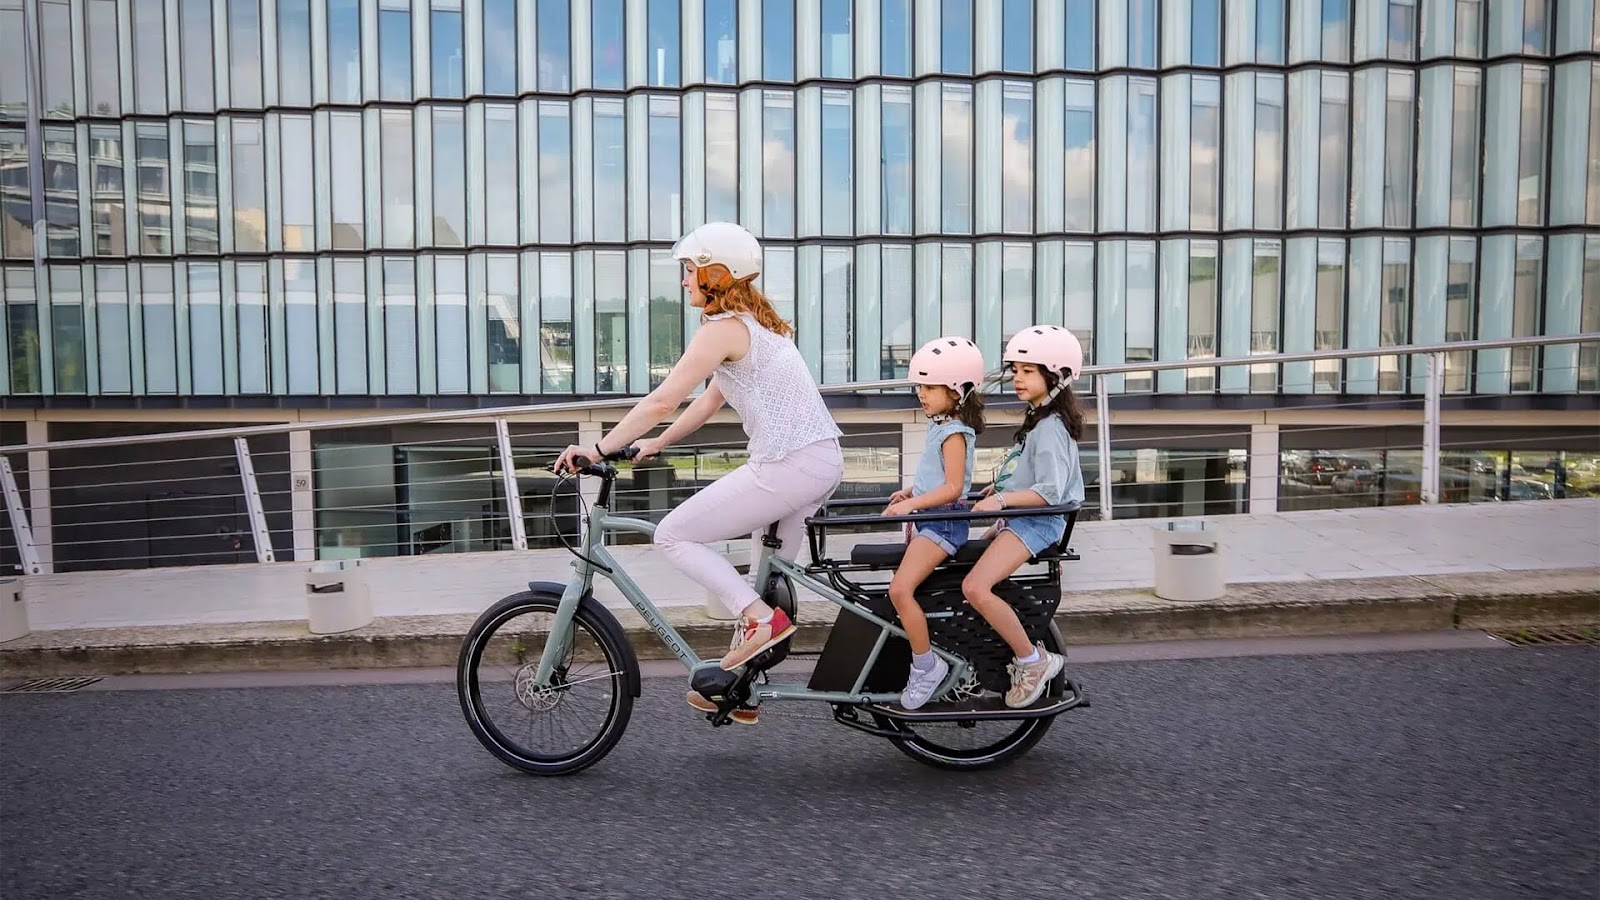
795, 461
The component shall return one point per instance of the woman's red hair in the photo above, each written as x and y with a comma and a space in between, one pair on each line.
725, 294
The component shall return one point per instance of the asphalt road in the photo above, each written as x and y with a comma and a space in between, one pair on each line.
1449, 774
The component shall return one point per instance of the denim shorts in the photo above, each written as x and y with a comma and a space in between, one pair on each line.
949, 534
1039, 533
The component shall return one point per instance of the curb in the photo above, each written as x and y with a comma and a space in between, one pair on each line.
1468, 601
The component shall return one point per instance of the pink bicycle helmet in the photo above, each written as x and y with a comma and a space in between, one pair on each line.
954, 362
1049, 346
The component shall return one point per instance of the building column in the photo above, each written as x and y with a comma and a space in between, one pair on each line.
913, 438
302, 496
38, 432
1263, 468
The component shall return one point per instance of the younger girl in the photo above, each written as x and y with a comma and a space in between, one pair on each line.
947, 372
1044, 360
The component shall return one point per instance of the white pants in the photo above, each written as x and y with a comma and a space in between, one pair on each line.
745, 502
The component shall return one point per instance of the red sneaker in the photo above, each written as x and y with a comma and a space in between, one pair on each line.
756, 637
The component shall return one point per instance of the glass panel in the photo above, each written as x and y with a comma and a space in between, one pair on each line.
350, 325
106, 190
22, 331
205, 328
895, 41
399, 216
838, 183
1403, 28
150, 56
555, 40
505, 325
1264, 317
344, 51
1333, 193
1460, 282
956, 162
1142, 33
1202, 309
445, 41
111, 322
722, 158
56, 31
500, 171
199, 186
1205, 39
1205, 146
610, 322
555, 321
105, 94
1530, 154
777, 164
1269, 140
1142, 154
250, 288
1016, 36
777, 40
61, 191
1592, 208
662, 41
836, 36
1469, 28
666, 197
1336, 30
1016, 290
1464, 148
1525, 310
610, 171
956, 296
500, 46
1398, 154
300, 320
1080, 22
450, 177
294, 52
349, 222
1080, 156
838, 304
608, 23
722, 43
1394, 326
955, 23
1078, 266
154, 189
160, 330
897, 160
1016, 157
400, 325
895, 357
299, 223
666, 314
1330, 312
1269, 31
1141, 311
66, 330
394, 50
244, 52
450, 323
1589, 313
249, 187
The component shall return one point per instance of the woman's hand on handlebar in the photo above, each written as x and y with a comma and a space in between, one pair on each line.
574, 458
648, 447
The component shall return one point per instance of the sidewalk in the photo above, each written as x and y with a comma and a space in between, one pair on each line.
1325, 572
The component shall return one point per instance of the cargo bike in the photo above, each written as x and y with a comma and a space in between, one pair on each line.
547, 677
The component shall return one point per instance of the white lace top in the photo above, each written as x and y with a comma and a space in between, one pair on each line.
774, 394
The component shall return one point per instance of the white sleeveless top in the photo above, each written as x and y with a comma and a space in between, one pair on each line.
774, 394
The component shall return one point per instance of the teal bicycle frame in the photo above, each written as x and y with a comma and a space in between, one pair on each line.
595, 555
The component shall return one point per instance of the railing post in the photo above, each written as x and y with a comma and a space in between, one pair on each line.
508, 472
1430, 429
252, 501
1102, 416
19, 520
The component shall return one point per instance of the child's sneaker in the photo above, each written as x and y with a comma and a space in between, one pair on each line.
921, 685
1029, 680
741, 716
756, 637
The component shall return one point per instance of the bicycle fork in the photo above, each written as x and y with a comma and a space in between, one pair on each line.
559, 640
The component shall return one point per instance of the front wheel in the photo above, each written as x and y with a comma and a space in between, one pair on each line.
561, 727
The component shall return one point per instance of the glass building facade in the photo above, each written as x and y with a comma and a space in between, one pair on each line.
416, 198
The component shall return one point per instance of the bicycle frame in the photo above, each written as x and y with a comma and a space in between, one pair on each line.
596, 557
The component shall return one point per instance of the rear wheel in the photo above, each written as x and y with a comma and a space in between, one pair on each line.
973, 744
555, 729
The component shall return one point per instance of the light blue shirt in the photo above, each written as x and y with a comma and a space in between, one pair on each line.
930, 472
1047, 464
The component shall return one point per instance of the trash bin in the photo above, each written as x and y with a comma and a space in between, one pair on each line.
1188, 558
337, 598
13, 610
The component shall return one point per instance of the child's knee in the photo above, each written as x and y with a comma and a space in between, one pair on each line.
973, 588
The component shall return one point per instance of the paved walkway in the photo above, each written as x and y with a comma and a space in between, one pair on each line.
1282, 547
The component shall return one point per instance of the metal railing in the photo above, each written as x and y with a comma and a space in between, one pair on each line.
505, 454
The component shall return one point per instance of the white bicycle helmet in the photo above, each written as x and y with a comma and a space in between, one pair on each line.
1048, 346
954, 362
724, 243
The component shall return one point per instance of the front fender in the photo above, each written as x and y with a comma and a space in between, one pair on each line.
605, 619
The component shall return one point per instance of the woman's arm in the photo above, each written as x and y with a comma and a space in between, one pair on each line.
703, 408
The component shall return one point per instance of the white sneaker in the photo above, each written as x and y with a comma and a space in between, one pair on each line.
920, 686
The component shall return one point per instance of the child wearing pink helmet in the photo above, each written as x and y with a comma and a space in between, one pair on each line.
1042, 469
947, 372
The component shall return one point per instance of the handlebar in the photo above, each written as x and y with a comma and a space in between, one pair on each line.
1013, 512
